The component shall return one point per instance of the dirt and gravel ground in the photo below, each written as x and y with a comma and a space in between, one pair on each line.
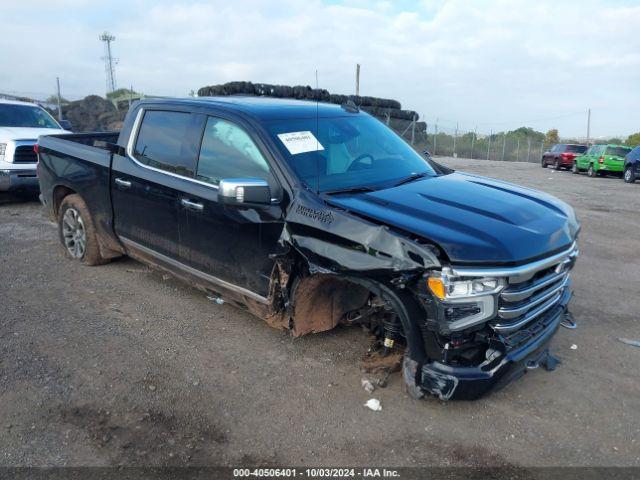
120, 365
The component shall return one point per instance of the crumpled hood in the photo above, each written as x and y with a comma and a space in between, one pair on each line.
24, 133
473, 219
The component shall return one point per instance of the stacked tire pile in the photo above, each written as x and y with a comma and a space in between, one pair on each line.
387, 110
93, 114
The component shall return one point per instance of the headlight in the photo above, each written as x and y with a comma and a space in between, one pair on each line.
3, 148
465, 301
445, 286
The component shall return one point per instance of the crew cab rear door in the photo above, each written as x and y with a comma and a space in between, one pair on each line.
148, 182
232, 243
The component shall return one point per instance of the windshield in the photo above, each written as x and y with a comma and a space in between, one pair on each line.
342, 153
25, 116
618, 151
576, 148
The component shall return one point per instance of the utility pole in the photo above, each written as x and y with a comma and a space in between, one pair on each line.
504, 143
413, 129
109, 61
489, 145
426, 134
473, 140
455, 139
529, 149
59, 99
588, 125
435, 139
357, 79
518, 151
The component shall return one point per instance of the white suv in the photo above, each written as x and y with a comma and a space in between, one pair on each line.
21, 123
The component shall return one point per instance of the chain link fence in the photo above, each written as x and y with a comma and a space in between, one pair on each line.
521, 145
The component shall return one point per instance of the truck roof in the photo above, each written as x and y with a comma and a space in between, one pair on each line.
263, 108
17, 102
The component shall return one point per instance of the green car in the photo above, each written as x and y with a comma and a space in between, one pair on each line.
601, 159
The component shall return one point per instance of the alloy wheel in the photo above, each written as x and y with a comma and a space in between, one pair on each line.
74, 233
628, 176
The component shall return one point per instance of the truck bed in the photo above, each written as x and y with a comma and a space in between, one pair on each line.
86, 146
80, 163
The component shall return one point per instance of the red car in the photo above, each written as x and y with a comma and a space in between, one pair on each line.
562, 155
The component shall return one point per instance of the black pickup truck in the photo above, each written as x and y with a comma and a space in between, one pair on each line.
311, 215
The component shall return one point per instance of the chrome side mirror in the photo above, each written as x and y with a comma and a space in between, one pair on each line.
244, 191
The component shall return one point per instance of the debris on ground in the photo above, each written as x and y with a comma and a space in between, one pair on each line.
382, 382
633, 343
574, 347
367, 385
217, 300
377, 362
373, 404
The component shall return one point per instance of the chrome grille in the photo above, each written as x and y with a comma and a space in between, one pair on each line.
530, 293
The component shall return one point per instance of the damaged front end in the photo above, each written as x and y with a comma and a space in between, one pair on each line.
465, 331
491, 324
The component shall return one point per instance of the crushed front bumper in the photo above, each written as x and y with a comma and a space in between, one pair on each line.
470, 383
23, 179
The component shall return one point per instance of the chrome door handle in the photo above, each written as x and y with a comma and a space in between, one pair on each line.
196, 207
123, 183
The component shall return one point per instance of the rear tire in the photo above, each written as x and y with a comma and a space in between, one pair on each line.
77, 232
574, 169
556, 165
629, 175
591, 171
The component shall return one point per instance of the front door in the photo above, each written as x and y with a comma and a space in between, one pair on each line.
231, 243
147, 182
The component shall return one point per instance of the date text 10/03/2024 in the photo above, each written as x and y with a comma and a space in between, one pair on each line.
316, 472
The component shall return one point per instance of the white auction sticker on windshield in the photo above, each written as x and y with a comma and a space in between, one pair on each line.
300, 142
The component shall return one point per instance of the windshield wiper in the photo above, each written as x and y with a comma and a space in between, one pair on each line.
359, 189
411, 178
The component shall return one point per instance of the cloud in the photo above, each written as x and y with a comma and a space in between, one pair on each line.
499, 64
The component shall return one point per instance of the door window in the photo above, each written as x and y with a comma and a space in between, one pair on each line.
166, 141
228, 152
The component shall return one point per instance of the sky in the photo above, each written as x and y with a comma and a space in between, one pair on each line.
495, 65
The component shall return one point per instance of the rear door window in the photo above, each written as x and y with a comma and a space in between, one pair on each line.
618, 151
168, 141
576, 148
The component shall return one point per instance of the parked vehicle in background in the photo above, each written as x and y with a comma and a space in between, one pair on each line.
562, 155
21, 123
632, 165
309, 215
601, 159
